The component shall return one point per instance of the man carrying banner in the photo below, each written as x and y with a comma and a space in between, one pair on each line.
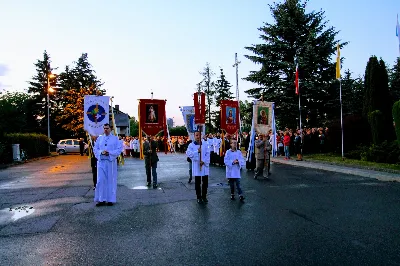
200, 156
150, 160
262, 153
107, 148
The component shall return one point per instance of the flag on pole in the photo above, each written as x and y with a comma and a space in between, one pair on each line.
338, 62
296, 82
398, 30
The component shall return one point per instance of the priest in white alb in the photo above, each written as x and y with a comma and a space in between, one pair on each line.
107, 148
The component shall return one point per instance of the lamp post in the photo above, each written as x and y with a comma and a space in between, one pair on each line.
49, 76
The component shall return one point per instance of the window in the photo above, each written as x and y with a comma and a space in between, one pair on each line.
69, 142
62, 142
76, 142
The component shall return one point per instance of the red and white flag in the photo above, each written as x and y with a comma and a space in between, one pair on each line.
296, 82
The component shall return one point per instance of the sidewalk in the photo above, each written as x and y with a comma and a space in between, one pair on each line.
382, 176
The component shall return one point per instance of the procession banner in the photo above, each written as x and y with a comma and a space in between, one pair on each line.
189, 120
262, 117
96, 114
230, 116
152, 117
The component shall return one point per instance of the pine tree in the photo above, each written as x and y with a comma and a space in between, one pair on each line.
222, 92
352, 92
377, 98
395, 81
75, 84
38, 89
304, 36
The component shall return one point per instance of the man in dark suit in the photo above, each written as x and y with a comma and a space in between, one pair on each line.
150, 160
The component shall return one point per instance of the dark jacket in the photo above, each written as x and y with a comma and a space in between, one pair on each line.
150, 156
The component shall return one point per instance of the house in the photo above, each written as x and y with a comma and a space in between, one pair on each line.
121, 121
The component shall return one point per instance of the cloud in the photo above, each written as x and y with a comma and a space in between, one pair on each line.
3, 69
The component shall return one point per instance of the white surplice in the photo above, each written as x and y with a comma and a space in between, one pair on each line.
217, 145
106, 187
193, 153
233, 170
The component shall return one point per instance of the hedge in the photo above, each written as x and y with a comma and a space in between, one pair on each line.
33, 145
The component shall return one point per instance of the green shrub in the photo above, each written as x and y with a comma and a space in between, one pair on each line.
386, 152
396, 117
34, 145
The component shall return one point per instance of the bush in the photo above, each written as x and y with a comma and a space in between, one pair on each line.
34, 145
396, 117
376, 121
386, 152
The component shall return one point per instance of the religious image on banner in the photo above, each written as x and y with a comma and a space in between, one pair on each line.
152, 113
189, 120
262, 116
231, 115
96, 113
152, 117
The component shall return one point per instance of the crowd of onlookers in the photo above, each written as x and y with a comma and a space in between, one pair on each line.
306, 141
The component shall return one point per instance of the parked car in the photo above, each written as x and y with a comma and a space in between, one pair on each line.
69, 146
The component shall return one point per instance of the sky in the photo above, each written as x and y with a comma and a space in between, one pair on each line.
139, 47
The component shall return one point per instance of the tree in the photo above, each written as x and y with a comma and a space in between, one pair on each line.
304, 36
396, 116
208, 87
75, 83
134, 127
222, 92
377, 98
352, 92
246, 114
395, 81
15, 110
38, 89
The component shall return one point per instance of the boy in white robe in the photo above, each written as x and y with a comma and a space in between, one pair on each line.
200, 157
234, 161
107, 148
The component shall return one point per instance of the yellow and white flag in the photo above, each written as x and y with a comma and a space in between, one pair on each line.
338, 62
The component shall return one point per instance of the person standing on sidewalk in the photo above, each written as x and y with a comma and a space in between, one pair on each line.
107, 148
150, 160
81, 146
93, 161
263, 147
200, 156
234, 161
286, 145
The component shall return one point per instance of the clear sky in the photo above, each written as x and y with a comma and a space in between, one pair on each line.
137, 47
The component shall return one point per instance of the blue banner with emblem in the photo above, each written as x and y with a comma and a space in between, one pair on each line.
96, 114
189, 120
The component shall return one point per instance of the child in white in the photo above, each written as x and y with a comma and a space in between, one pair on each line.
234, 161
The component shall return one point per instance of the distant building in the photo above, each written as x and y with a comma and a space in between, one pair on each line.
121, 122
170, 122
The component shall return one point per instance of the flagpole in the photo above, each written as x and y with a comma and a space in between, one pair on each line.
301, 131
341, 115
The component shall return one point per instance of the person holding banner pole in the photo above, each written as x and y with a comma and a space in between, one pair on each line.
200, 156
150, 160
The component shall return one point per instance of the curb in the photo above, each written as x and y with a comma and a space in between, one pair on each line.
382, 176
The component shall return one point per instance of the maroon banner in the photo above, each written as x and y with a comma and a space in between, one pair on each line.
152, 116
199, 108
229, 116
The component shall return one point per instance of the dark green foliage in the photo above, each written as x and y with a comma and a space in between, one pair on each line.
385, 152
33, 145
306, 36
395, 81
75, 83
134, 127
352, 92
246, 114
178, 131
376, 121
15, 111
396, 117
208, 87
377, 98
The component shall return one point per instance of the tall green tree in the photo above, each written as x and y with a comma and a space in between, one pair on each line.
38, 88
222, 92
246, 114
134, 127
377, 98
75, 83
16, 114
352, 92
306, 37
394, 79
208, 87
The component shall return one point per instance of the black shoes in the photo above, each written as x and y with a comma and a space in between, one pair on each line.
110, 204
232, 197
155, 186
199, 201
205, 200
241, 198
148, 184
98, 204
190, 180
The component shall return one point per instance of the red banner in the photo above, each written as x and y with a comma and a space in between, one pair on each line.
230, 116
199, 108
152, 116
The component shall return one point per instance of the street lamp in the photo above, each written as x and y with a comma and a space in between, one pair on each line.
49, 89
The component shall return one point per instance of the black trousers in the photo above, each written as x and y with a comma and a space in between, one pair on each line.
93, 164
201, 185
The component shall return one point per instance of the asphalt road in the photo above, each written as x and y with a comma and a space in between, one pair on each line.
298, 217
